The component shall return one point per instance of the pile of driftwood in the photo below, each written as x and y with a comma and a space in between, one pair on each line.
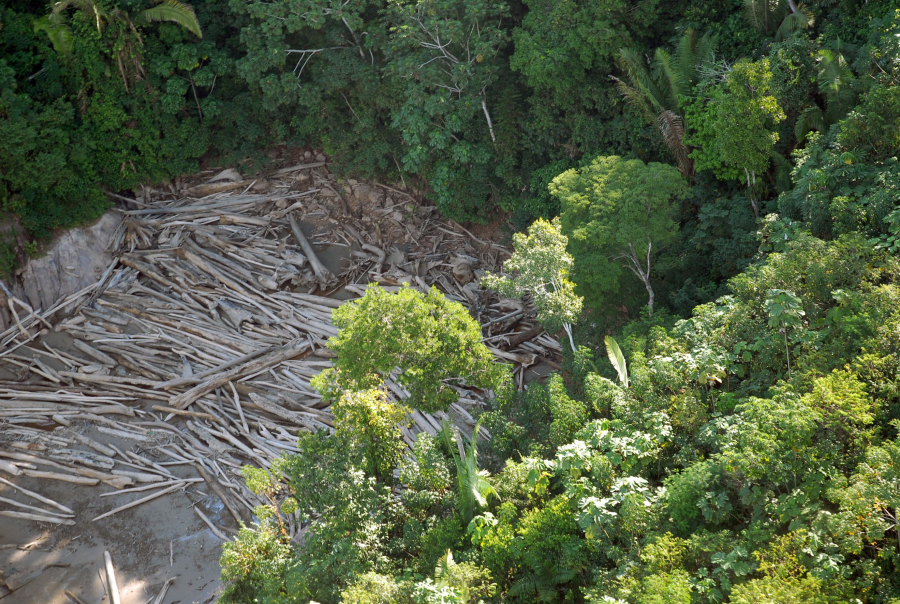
197, 344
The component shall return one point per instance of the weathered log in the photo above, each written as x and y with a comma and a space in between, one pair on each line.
36, 517
37, 496
138, 502
325, 276
275, 357
112, 585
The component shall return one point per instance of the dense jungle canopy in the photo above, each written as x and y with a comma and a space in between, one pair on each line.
706, 199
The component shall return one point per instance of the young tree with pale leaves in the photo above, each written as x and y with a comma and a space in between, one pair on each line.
540, 267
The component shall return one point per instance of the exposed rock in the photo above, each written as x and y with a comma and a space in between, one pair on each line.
71, 263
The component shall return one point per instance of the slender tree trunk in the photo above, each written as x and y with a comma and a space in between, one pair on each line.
568, 328
487, 116
753, 203
642, 273
787, 350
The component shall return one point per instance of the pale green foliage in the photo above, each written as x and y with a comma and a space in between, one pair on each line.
540, 267
616, 212
253, 566
433, 341
372, 424
464, 581
784, 308
617, 359
373, 588
871, 501
473, 487
174, 11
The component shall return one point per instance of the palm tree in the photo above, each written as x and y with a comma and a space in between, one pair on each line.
473, 487
779, 17
129, 42
655, 89
835, 80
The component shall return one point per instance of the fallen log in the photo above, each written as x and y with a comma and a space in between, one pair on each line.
275, 357
325, 276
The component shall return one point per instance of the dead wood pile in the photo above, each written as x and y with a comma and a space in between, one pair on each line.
197, 344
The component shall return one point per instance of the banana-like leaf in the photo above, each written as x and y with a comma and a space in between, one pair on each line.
617, 359
58, 31
176, 12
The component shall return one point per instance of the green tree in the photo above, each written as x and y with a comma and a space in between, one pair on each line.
785, 311
615, 212
433, 341
372, 424
746, 116
540, 267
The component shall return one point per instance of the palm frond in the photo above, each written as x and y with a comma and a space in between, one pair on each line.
647, 92
176, 12
671, 126
58, 31
765, 15
793, 22
809, 119
835, 79
686, 56
473, 487
672, 79
88, 6
783, 169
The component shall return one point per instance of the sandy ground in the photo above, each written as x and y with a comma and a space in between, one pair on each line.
149, 543
52, 559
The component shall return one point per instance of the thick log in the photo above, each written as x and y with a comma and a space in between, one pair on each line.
275, 357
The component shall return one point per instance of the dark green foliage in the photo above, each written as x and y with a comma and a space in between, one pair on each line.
846, 181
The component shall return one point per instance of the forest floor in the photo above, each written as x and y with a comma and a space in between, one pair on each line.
212, 309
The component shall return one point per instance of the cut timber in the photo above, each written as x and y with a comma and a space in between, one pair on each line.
518, 338
31, 508
37, 518
324, 275
174, 487
195, 379
211, 526
197, 414
37, 496
307, 420
214, 485
276, 357
62, 477
111, 584
9, 468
